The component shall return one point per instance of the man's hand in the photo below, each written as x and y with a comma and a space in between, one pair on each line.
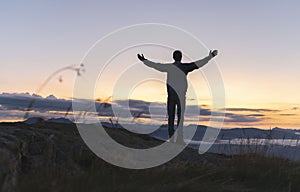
213, 53
141, 57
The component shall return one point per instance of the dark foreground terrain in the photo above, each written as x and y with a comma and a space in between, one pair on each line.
52, 157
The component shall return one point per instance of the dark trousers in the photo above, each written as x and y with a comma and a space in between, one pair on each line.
173, 102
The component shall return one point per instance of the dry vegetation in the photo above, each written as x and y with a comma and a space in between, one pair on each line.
74, 168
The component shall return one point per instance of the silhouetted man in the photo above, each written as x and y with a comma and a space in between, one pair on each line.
177, 86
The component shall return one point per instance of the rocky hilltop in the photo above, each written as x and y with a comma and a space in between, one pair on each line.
36, 146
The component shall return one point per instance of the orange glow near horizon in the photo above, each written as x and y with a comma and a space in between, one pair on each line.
236, 97
248, 92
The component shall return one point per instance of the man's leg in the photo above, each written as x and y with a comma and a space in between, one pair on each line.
171, 115
180, 118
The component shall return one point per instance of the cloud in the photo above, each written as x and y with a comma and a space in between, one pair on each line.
258, 110
205, 112
255, 115
242, 118
11, 114
134, 105
23, 101
190, 99
288, 114
16, 104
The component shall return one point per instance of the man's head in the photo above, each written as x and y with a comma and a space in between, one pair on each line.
177, 55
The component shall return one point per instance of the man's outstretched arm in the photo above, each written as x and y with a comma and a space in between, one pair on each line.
158, 66
204, 61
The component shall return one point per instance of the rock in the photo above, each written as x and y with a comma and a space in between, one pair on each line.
34, 120
59, 120
8, 170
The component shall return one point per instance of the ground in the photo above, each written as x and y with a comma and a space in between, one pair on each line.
52, 157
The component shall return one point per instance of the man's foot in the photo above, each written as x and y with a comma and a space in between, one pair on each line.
171, 133
171, 140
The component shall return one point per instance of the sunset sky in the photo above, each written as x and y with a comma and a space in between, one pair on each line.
258, 43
